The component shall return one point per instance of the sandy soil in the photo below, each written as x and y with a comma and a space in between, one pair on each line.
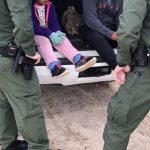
76, 115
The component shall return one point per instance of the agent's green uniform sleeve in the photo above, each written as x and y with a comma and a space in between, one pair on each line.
134, 12
20, 11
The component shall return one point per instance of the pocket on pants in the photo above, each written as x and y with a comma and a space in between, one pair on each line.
118, 110
131, 81
26, 101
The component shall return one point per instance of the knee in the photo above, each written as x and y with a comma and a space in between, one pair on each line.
95, 35
91, 35
44, 39
40, 40
97, 39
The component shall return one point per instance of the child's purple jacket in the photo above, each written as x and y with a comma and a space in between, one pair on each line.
51, 20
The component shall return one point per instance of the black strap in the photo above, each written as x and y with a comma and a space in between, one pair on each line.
4, 53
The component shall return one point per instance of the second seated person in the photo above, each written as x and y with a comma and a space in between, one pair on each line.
99, 25
48, 35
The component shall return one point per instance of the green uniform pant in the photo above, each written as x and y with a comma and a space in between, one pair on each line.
20, 108
127, 108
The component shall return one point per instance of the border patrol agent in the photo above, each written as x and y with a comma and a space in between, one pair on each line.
128, 107
20, 100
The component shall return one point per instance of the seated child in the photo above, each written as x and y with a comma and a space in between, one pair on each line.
48, 33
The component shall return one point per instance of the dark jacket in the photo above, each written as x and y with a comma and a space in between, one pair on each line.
101, 15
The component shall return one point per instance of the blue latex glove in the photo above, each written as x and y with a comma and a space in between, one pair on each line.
56, 38
61, 33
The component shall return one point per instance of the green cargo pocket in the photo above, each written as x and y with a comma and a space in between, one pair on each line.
117, 111
131, 81
26, 101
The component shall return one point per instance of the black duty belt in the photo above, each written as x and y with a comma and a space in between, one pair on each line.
141, 56
7, 52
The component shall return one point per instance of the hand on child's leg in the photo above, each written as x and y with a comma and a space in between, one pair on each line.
61, 33
57, 37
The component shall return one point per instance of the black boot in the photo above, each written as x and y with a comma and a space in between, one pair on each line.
18, 145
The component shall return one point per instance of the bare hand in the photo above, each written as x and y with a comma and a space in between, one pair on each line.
114, 36
36, 57
120, 72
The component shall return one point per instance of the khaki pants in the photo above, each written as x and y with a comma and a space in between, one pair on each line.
127, 108
20, 108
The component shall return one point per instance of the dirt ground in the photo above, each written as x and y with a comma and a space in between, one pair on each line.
76, 115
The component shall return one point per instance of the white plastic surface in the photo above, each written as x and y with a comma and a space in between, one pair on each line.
72, 78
